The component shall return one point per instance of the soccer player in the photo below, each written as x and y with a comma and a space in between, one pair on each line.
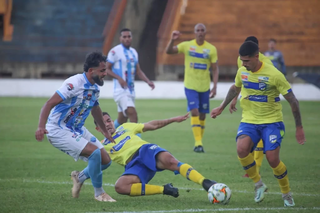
142, 160
261, 85
70, 106
276, 56
199, 57
123, 65
258, 152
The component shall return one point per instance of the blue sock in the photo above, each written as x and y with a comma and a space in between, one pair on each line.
84, 174
94, 168
139, 134
116, 124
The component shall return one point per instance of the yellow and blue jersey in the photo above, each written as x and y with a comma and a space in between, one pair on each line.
197, 64
260, 90
262, 58
126, 142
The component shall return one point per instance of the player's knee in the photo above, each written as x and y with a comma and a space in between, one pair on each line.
105, 158
242, 151
273, 160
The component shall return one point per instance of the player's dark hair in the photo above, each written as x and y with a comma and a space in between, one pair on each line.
274, 40
93, 59
103, 114
249, 48
125, 30
253, 39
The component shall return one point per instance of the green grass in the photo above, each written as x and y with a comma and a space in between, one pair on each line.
34, 176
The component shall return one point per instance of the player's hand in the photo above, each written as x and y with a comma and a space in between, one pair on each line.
123, 83
213, 92
108, 137
40, 133
181, 118
216, 112
232, 107
175, 35
300, 135
151, 84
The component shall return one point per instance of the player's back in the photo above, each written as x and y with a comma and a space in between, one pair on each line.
260, 92
126, 142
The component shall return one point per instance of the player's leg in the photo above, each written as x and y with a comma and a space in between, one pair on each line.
204, 106
272, 136
121, 101
193, 105
247, 138
166, 161
258, 155
132, 112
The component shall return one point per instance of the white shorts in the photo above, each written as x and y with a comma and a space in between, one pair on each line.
124, 100
69, 142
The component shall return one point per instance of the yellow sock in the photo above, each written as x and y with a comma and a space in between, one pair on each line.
280, 172
196, 129
202, 124
258, 155
139, 189
191, 174
249, 165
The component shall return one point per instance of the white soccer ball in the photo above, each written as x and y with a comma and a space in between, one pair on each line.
219, 193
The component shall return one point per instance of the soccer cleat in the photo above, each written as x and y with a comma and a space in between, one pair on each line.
288, 200
206, 184
168, 189
76, 184
198, 149
104, 197
260, 190
245, 176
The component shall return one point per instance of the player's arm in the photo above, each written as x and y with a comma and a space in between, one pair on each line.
122, 82
215, 76
44, 114
157, 124
96, 113
170, 49
143, 76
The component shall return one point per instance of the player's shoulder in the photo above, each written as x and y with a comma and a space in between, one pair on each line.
128, 126
134, 50
75, 79
209, 45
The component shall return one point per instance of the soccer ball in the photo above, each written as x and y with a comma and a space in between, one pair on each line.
219, 193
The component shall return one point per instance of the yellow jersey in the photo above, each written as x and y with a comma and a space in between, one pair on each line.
262, 58
197, 61
126, 142
260, 90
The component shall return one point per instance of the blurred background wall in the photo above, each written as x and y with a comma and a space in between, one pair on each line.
50, 38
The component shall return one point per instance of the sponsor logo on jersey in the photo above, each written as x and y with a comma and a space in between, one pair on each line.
192, 48
263, 79
70, 86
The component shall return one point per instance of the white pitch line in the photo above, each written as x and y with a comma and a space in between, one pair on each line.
112, 185
221, 210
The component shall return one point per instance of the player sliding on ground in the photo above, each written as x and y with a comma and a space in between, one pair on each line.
142, 159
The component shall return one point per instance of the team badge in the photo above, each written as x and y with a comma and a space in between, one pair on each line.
70, 87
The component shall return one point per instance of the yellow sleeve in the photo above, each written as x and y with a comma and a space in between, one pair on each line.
214, 55
237, 80
182, 47
134, 127
282, 84
239, 62
266, 60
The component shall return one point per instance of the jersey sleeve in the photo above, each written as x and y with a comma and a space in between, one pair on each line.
112, 56
214, 55
135, 128
182, 47
136, 55
68, 89
282, 84
237, 80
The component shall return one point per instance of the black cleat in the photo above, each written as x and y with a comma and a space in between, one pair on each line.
206, 184
168, 189
198, 149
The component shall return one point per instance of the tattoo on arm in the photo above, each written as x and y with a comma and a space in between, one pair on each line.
294, 103
233, 92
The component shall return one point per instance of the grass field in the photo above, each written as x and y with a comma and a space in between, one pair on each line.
34, 176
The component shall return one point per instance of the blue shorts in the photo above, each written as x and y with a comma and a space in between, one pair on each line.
144, 164
271, 134
197, 100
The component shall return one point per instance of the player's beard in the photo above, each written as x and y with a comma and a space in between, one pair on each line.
98, 80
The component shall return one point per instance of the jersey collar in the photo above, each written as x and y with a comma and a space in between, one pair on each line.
85, 77
195, 42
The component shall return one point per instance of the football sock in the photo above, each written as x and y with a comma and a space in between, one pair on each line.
190, 173
202, 124
196, 129
116, 124
280, 172
140, 189
249, 165
84, 174
94, 171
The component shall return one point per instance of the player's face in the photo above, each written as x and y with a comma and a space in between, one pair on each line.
98, 73
250, 63
109, 124
126, 38
200, 32
272, 45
